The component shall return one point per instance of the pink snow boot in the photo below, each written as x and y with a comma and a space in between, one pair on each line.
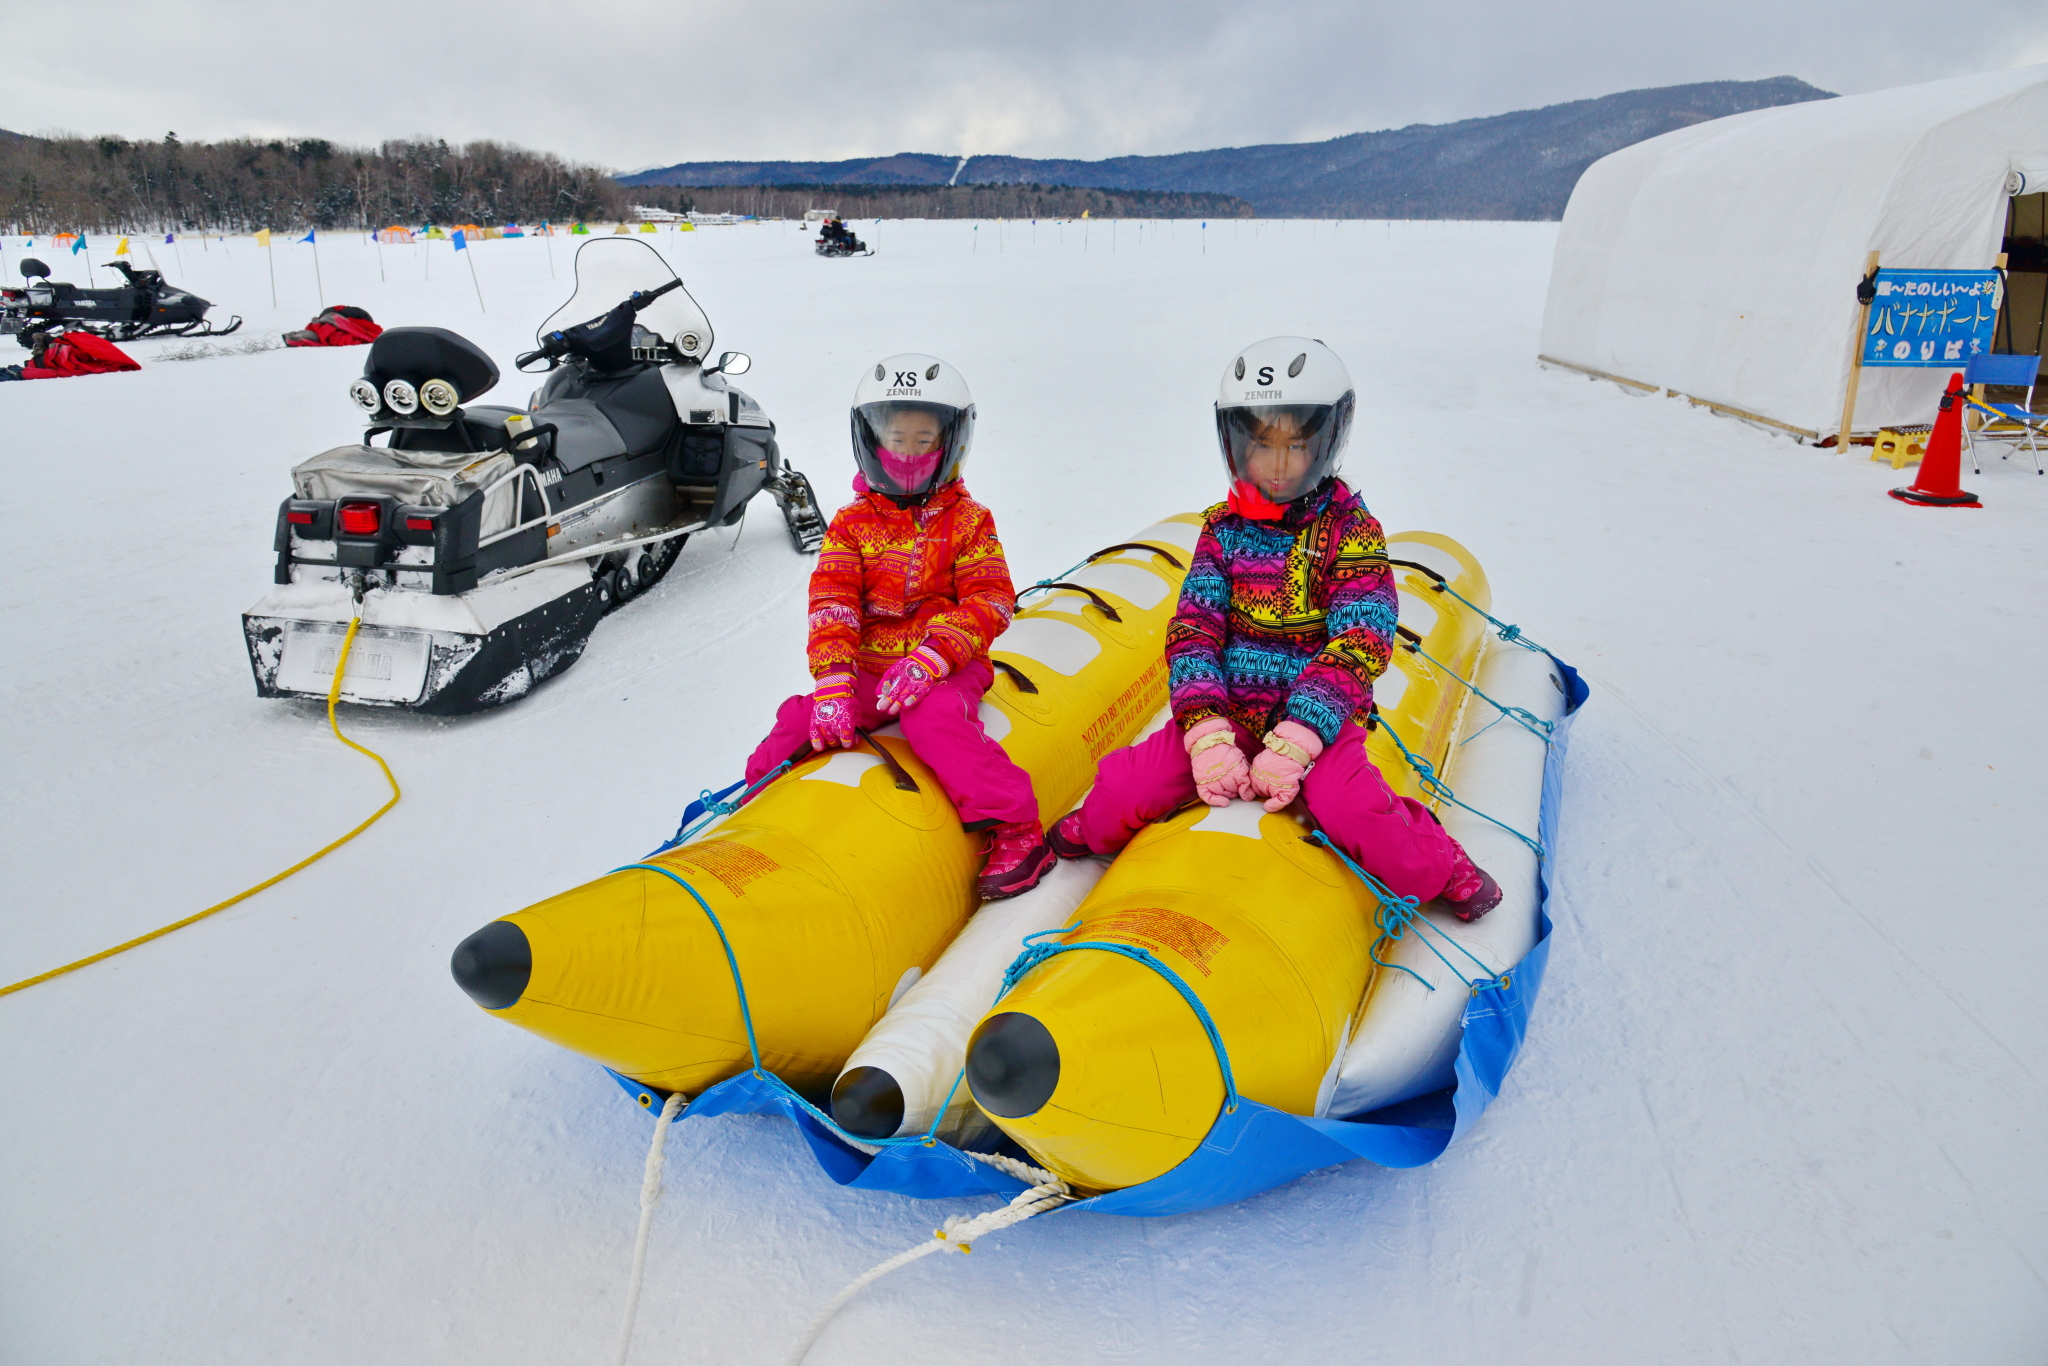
1471, 892
1018, 857
1065, 837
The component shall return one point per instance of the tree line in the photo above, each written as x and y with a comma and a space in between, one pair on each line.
939, 201
109, 184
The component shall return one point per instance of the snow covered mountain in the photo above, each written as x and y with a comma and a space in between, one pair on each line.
1519, 165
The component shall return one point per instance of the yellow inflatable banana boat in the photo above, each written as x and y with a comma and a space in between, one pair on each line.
844, 879
1094, 1062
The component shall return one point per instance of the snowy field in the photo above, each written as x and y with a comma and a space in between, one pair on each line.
1783, 1099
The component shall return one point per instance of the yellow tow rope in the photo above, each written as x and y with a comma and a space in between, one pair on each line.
333, 695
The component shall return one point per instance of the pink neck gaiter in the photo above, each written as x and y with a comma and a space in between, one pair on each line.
911, 472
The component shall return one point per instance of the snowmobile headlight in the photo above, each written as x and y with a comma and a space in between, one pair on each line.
366, 396
439, 397
403, 398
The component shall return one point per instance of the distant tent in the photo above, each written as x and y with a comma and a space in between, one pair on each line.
396, 234
1721, 261
579, 231
436, 235
647, 227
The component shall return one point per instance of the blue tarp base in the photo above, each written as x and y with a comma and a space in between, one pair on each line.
1255, 1148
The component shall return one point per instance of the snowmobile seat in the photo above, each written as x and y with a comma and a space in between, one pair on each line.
483, 429
418, 354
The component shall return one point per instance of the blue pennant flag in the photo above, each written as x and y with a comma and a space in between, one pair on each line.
78, 245
308, 237
169, 238
460, 243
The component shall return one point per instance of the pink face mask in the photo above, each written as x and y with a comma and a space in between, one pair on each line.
908, 471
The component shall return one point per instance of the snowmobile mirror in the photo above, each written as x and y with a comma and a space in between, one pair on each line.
32, 269
733, 363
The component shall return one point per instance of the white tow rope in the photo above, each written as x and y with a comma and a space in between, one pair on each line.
650, 1196
958, 1234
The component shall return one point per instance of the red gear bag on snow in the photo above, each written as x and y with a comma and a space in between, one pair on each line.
341, 325
78, 353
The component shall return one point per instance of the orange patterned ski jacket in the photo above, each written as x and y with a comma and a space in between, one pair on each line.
890, 579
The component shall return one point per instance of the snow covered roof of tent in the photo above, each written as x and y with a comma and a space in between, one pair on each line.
1720, 261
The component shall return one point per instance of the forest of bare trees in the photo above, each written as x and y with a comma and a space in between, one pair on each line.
108, 184
940, 201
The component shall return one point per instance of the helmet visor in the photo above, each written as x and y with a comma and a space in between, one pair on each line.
1283, 451
909, 449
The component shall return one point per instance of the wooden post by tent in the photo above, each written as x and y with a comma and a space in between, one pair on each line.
1856, 360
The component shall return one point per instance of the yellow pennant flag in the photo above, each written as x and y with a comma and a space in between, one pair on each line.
263, 237
121, 247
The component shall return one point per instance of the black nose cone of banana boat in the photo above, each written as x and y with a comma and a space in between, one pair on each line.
1013, 1065
493, 965
867, 1101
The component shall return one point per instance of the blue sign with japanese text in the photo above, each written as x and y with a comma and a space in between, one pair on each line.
1931, 317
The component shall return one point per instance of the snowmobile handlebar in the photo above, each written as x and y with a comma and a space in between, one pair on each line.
557, 344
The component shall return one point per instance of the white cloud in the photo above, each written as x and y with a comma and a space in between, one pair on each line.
636, 83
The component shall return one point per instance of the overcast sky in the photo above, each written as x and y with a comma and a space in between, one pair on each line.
632, 83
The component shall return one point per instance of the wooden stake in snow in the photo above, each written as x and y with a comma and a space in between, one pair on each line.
312, 240
1856, 358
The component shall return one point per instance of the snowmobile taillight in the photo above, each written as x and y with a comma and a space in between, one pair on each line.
419, 524
310, 519
361, 519
303, 517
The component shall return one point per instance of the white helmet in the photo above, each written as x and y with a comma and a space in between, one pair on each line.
1283, 412
913, 422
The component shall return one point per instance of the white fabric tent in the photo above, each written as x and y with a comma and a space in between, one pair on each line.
1720, 261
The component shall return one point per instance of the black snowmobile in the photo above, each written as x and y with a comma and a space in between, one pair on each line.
482, 544
836, 239
144, 307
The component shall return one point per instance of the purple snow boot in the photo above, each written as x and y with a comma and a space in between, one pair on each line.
1471, 892
1018, 857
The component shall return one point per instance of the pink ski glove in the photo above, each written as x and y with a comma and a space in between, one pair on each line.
910, 678
1216, 762
832, 713
1291, 748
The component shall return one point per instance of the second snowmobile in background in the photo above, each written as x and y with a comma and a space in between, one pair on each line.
836, 239
144, 307
481, 545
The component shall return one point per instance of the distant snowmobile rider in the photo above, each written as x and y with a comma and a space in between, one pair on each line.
910, 591
1286, 617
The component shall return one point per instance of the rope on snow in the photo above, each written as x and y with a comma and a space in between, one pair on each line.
650, 1196
957, 1234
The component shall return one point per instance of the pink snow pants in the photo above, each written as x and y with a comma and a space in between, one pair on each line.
943, 729
1395, 839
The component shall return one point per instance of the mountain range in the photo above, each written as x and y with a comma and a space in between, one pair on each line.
1520, 165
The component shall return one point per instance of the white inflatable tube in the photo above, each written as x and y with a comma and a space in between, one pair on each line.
915, 1052
1407, 1037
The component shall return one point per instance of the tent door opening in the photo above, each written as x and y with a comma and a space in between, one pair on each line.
2023, 318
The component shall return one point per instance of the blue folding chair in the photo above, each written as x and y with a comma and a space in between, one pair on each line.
2011, 424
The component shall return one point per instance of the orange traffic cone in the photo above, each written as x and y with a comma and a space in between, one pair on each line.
1941, 468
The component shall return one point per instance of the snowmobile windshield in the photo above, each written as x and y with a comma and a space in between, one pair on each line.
908, 449
1284, 451
609, 271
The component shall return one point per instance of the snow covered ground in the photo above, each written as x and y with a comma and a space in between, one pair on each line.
1783, 1099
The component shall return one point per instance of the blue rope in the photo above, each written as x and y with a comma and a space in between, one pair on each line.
1048, 583
1426, 773
1508, 631
1528, 720
1394, 916
1035, 953
927, 1139
710, 805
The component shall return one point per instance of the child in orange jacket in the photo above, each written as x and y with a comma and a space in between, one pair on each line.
910, 591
